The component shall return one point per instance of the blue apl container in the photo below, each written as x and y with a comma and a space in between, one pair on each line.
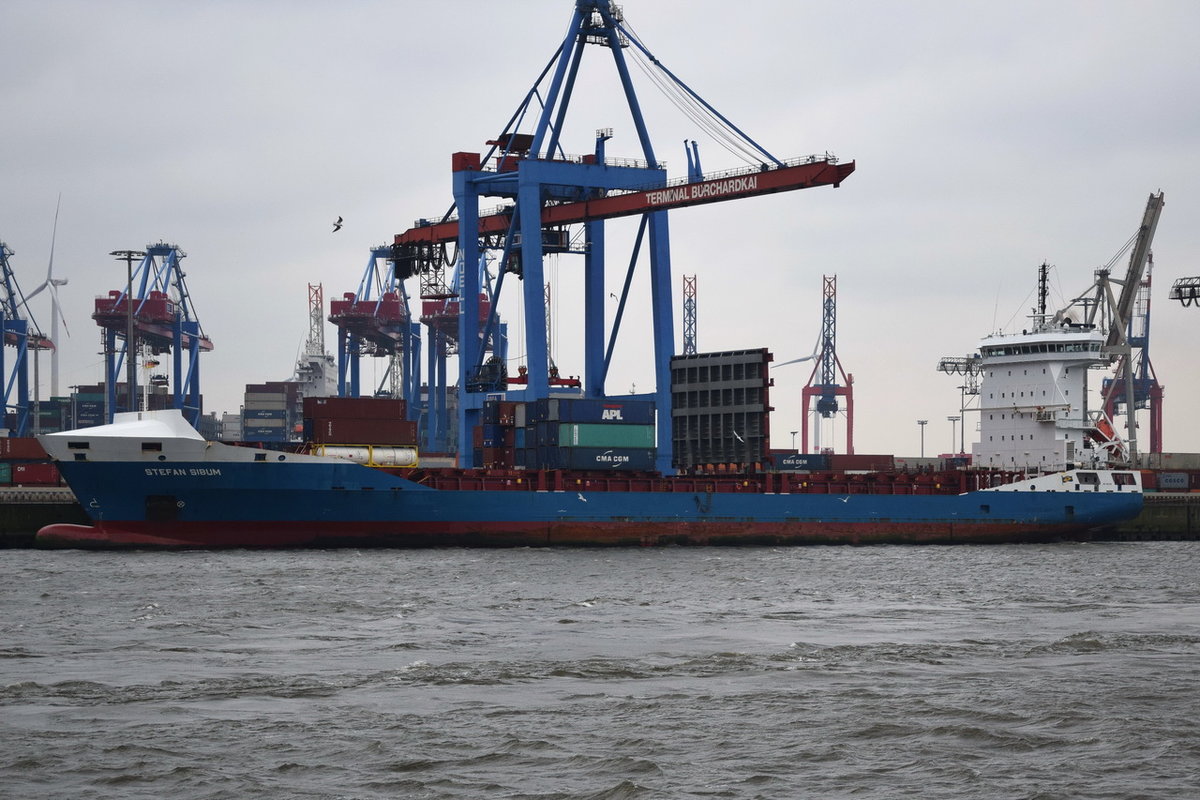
629, 412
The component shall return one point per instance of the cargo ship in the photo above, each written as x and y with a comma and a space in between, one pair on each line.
150, 480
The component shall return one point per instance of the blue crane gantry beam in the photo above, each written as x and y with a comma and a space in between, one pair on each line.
163, 317
549, 190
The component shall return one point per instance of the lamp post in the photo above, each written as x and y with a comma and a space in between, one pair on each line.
922, 423
962, 409
794, 439
953, 430
130, 367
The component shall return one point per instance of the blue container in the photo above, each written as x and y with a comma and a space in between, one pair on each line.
258, 434
596, 458
519, 440
547, 434
629, 412
490, 414
537, 411
493, 435
803, 462
249, 413
1174, 481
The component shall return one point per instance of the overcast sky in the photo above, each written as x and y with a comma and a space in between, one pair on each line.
988, 137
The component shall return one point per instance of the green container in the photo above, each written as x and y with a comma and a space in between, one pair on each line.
604, 434
5, 472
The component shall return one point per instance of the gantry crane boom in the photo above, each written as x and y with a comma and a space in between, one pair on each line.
799, 174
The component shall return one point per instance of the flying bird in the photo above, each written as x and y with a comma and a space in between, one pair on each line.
337, 226
739, 438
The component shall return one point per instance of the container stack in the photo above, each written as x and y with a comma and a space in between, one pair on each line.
567, 433
268, 413
231, 427
358, 421
495, 439
88, 403
23, 462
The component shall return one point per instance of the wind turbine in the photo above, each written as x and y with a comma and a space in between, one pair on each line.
56, 314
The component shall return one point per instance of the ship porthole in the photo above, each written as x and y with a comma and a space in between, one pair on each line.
162, 458
281, 458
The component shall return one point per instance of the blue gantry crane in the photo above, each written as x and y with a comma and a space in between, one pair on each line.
545, 190
161, 316
19, 331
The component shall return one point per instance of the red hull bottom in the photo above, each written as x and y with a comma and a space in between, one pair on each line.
265, 535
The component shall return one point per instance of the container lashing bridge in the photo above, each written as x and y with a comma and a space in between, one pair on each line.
545, 190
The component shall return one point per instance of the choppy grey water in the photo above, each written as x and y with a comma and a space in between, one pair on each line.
1058, 671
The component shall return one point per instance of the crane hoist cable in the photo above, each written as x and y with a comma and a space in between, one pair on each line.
694, 111
1124, 249
641, 50
689, 109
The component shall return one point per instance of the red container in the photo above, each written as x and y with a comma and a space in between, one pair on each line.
508, 413
497, 457
354, 408
841, 462
35, 474
24, 447
364, 431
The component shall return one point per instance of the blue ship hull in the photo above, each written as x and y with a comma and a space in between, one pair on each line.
302, 502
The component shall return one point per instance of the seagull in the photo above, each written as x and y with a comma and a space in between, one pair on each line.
845, 499
581, 497
337, 226
739, 438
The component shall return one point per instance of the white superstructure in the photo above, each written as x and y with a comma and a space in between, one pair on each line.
1033, 399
